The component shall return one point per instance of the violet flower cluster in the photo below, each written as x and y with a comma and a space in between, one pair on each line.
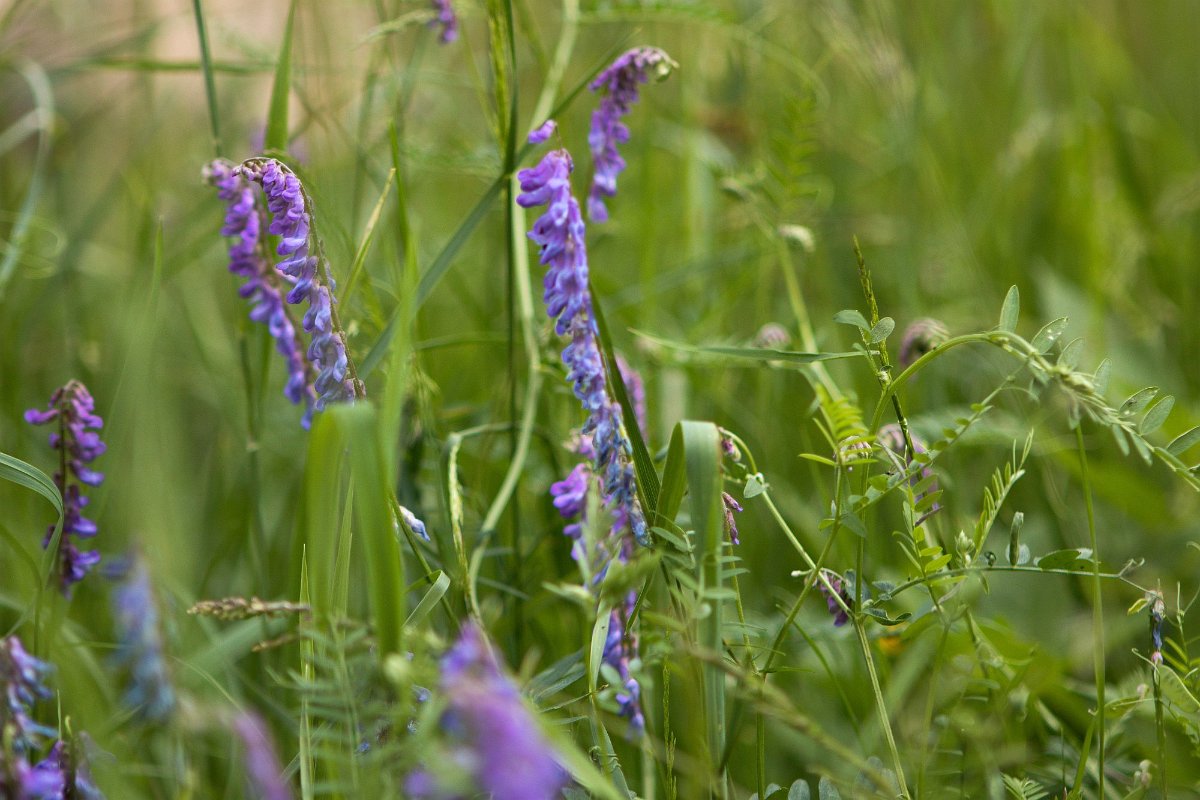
840, 590
140, 645
891, 436
919, 338
619, 82
79, 445
62, 773
560, 232
497, 741
263, 284
446, 19
291, 221
264, 773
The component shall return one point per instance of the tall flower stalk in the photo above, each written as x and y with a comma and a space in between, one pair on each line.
619, 83
305, 267
78, 445
560, 233
264, 285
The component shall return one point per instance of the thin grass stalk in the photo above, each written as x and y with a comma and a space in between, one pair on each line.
1097, 606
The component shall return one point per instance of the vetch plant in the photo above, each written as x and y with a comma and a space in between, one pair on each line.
264, 286
619, 83
78, 444
305, 265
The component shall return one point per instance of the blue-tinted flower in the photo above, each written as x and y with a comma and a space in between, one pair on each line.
619, 82
416, 525
22, 677
497, 740
263, 284
263, 770
42, 781
140, 645
446, 19
79, 445
291, 221
63, 773
891, 436
621, 648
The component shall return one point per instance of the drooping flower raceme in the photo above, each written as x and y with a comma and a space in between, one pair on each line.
140, 646
79, 445
247, 258
496, 739
560, 232
291, 221
619, 82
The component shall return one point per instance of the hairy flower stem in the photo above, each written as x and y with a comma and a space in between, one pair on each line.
1097, 608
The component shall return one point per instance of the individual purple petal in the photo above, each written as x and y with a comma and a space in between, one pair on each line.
542, 132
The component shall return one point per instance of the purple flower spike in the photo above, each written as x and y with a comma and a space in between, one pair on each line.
620, 83
302, 266
446, 19
62, 773
263, 286
263, 770
542, 132
140, 647
560, 232
731, 505
72, 406
22, 679
498, 740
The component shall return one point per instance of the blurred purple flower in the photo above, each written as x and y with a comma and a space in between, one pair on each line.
22, 677
840, 617
263, 770
919, 338
63, 773
78, 446
619, 82
446, 19
1158, 613
542, 132
42, 781
497, 740
263, 284
140, 646
291, 221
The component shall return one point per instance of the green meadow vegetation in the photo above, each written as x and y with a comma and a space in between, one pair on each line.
877, 447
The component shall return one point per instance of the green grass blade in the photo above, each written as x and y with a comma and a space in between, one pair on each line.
756, 354
364, 244
43, 97
276, 138
702, 460
431, 598
210, 86
17, 471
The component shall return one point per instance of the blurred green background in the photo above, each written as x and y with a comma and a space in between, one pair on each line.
968, 146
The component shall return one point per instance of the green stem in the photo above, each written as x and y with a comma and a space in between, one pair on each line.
1097, 607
